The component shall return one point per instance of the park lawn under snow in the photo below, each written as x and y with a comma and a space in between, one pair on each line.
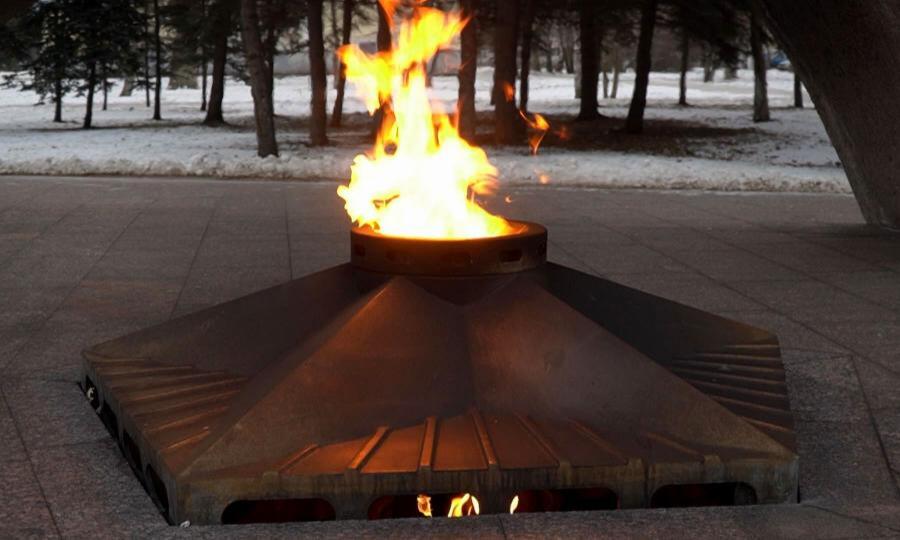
791, 153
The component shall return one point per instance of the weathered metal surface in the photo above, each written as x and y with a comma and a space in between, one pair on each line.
350, 385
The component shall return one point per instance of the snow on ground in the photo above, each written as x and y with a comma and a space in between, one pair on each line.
791, 153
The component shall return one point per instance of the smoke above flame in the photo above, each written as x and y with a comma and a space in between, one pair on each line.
421, 179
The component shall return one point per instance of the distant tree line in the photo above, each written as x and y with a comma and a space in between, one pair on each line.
63, 47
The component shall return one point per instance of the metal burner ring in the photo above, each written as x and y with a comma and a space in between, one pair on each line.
522, 250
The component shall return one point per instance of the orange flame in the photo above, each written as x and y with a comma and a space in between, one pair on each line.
424, 504
464, 505
539, 128
421, 178
514, 504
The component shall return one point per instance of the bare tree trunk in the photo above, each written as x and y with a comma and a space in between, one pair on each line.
635, 121
89, 109
567, 46
798, 92
587, 37
709, 65
147, 53
465, 104
731, 73
270, 44
508, 128
347, 27
548, 51
318, 73
617, 70
157, 113
57, 100
760, 90
605, 83
204, 74
383, 38
685, 65
104, 84
383, 43
259, 80
127, 87
335, 40
222, 22
203, 61
525, 61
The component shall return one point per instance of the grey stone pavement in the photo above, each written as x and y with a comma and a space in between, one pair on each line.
87, 259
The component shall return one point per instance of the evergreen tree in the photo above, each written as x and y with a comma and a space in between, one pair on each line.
106, 34
188, 34
713, 24
46, 38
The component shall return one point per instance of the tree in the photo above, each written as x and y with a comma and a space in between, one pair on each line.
713, 24
798, 91
383, 37
222, 15
383, 44
146, 47
617, 70
157, 47
465, 104
567, 47
187, 28
590, 66
46, 33
75, 44
635, 120
204, 60
259, 80
525, 62
317, 74
508, 127
709, 65
346, 29
277, 19
760, 65
106, 32
685, 66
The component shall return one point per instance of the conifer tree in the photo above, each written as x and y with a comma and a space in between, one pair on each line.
106, 34
47, 40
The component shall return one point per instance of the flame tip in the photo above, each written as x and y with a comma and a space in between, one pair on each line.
420, 179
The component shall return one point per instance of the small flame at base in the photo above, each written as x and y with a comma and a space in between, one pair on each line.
424, 504
514, 504
464, 505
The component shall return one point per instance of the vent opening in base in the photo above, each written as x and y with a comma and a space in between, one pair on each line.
409, 506
565, 500
277, 511
132, 453
687, 495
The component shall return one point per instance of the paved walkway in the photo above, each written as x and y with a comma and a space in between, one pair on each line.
83, 260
